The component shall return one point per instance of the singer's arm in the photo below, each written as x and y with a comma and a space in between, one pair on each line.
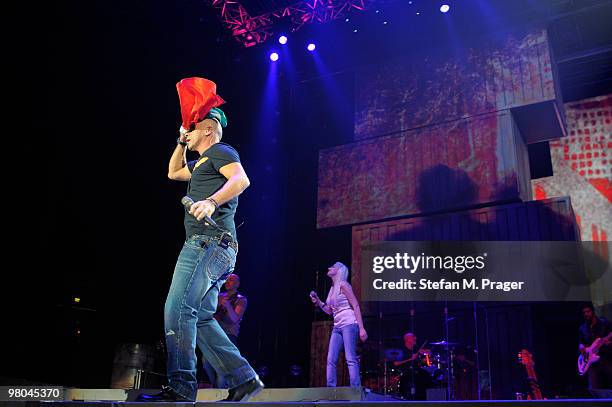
350, 296
325, 307
237, 182
235, 315
177, 168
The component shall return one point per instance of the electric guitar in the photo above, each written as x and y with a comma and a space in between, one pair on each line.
526, 359
590, 356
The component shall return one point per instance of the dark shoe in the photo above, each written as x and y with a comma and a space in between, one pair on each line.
167, 394
245, 391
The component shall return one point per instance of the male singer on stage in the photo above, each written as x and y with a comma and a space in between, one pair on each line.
208, 255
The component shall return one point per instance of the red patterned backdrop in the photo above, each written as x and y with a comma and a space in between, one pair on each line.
582, 166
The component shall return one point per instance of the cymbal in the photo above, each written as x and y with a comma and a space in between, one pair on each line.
393, 354
443, 343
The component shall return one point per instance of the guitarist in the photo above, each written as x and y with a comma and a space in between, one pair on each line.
600, 373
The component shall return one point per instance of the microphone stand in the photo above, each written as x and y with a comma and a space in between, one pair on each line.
449, 369
314, 309
476, 349
381, 352
413, 367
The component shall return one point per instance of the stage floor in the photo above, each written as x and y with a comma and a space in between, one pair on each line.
497, 403
290, 397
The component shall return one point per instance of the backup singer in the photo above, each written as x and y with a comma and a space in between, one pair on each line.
230, 310
348, 324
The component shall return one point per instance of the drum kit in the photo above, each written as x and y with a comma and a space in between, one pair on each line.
431, 368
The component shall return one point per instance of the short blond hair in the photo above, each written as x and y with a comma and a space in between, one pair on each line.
342, 270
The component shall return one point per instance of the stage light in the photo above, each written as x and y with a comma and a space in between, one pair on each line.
385, 22
311, 47
282, 39
274, 57
444, 8
355, 30
77, 299
347, 20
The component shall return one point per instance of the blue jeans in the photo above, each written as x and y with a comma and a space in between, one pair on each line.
347, 337
201, 269
217, 382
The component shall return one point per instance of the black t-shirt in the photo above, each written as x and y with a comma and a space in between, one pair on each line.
408, 353
205, 181
600, 330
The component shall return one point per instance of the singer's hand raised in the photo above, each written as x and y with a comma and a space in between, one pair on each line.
202, 208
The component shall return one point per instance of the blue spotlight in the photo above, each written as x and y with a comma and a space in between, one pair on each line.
274, 57
311, 47
282, 39
444, 8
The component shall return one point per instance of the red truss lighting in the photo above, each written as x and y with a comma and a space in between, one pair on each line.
250, 31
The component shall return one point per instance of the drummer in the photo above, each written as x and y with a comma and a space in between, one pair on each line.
410, 341
414, 378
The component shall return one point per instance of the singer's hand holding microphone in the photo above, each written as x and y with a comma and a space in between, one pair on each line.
314, 298
202, 209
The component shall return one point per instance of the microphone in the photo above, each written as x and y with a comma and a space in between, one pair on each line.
313, 295
187, 202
